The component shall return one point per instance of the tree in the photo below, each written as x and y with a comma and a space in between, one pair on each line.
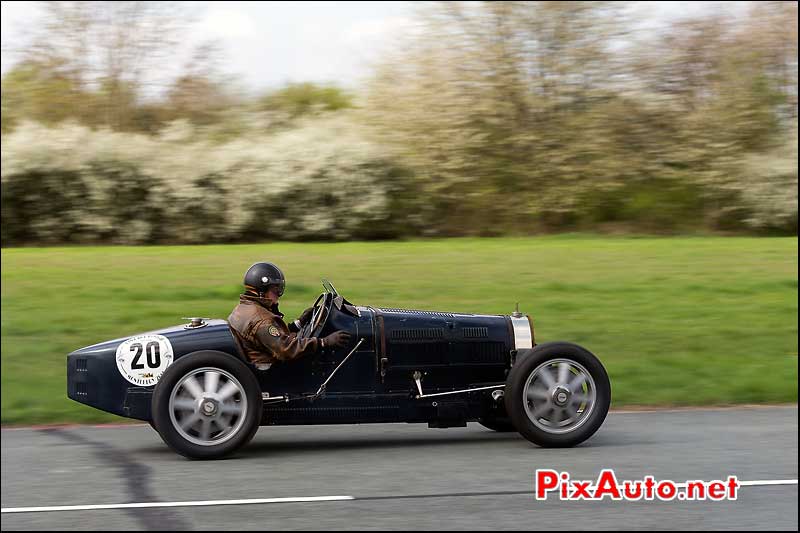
40, 92
483, 102
110, 49
199, 94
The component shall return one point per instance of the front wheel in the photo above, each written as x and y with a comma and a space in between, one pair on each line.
206, 405
557, 394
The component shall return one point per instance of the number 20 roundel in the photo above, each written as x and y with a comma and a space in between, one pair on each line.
142, 359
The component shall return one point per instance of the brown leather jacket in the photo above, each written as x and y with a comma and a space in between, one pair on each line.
262, 334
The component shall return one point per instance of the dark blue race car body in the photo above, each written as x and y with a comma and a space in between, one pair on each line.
453, 351
445, 369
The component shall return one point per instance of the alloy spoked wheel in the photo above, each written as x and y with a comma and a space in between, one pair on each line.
559, 396
208, 406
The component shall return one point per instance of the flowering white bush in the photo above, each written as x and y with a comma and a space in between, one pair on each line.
320, 180
770, 186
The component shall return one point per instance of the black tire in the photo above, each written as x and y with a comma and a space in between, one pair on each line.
548, 433
243, 429
494, 417
499, 424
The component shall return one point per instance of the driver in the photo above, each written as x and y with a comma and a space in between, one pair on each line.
259, 328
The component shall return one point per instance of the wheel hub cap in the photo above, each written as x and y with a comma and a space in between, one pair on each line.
561, 396
209, 407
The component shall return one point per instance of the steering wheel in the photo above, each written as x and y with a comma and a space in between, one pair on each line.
322, 308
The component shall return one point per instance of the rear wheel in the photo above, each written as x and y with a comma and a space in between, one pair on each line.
207, 405
557, 394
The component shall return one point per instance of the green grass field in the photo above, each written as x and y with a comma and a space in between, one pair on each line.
676, 321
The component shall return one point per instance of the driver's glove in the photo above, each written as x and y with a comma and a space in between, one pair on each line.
336, 339
306, 316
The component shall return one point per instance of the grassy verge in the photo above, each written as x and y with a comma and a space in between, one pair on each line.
676, 321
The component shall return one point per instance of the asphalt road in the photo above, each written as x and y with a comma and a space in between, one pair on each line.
405, 476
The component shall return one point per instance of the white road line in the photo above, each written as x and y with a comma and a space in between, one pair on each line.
759, 483
207, 503
768, 482
173, 504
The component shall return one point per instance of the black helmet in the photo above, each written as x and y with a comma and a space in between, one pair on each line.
260, 276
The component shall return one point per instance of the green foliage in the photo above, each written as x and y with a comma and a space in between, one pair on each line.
657, 205
37, 91
43, 206
298, 99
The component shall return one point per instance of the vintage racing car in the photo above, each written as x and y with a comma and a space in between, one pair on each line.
205, 399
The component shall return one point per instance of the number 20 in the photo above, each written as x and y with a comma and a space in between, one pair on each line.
153, 355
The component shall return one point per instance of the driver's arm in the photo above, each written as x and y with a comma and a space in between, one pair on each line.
283, 346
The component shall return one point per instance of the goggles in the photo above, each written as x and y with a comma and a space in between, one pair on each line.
277, 287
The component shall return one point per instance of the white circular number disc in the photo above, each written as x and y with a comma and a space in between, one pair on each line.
142, 359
